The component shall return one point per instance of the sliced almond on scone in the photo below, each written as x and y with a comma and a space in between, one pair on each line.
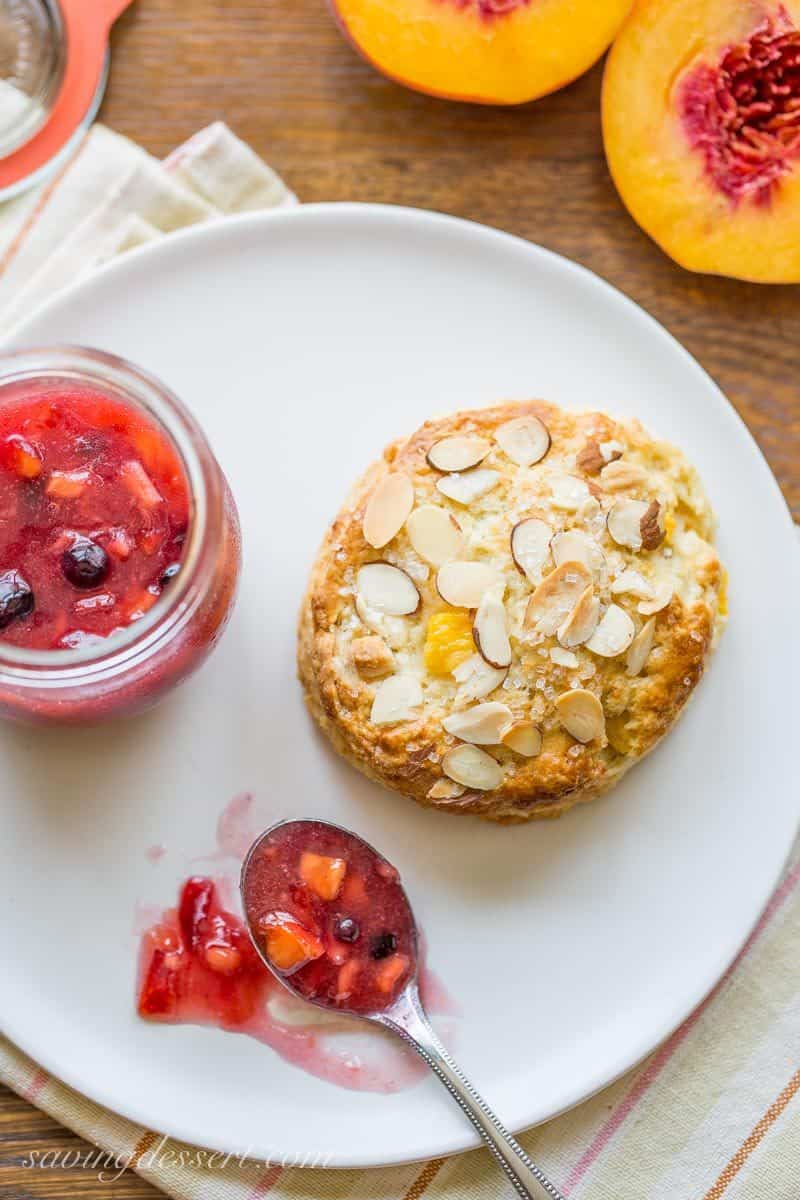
459, 452
530, 546
472, 767
632, 583
573, 545
434, 534
581, 623
446, 789
490, 631
640, 647
624, 522
652, 526
387, 589
556, 596
581, 714
590, 458
372, 658
396, 699
525, 440
483, 725
477, 679
469, 486
564, 658
393, 629
387, 509
660, 598
523, 738
463, 584
568, 492
595, 455
614, 634
621, 474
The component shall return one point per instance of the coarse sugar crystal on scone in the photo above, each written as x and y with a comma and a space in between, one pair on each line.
511, 609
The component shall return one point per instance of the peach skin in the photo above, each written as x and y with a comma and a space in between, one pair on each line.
701, 123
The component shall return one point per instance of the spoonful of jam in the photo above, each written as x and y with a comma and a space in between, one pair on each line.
330, 919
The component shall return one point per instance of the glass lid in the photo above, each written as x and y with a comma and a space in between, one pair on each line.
32, 65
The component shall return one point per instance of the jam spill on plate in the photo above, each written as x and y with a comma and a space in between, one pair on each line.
197, 965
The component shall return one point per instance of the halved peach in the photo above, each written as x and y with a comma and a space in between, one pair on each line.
483, 51
322, 874
701, 122
289, 945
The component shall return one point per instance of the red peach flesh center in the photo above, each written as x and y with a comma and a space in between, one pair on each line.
743, 115
492, 8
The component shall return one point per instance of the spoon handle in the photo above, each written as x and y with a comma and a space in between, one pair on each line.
407, 1018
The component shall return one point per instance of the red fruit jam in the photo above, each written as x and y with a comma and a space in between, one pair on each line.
199, 962
332, 916
94, 509
119, 539
198, 965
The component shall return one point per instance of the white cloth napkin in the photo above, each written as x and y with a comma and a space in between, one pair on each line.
111, 196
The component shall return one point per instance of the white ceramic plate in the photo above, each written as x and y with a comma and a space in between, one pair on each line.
305, 341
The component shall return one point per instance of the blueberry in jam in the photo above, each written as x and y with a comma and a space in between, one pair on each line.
346, 929
383, 945
16, 598
85, 564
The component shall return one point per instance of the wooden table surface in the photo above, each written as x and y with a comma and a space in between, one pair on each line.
287, 83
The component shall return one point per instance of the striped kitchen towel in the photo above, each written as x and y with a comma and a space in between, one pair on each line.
713, 1113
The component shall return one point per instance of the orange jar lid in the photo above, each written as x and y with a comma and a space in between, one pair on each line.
53, 68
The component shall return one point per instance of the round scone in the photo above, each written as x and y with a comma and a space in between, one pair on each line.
511, 609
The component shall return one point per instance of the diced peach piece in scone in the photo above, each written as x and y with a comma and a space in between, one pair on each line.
483, 51
289, 945
448, 641
701, 122
322, 874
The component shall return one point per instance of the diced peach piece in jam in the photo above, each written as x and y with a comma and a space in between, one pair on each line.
354, 893
322, 874
139, 604
156, 454
225, 960
289, 945
391, 971
119, 545
23, 457
139, 484
67, 485
346, 978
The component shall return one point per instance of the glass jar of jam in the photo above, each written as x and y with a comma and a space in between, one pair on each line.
119, 538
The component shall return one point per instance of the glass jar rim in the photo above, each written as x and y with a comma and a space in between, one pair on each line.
109, 373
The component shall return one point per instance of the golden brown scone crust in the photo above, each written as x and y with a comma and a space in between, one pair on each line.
407, 756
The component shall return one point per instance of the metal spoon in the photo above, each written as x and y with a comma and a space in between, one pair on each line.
407, 1018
